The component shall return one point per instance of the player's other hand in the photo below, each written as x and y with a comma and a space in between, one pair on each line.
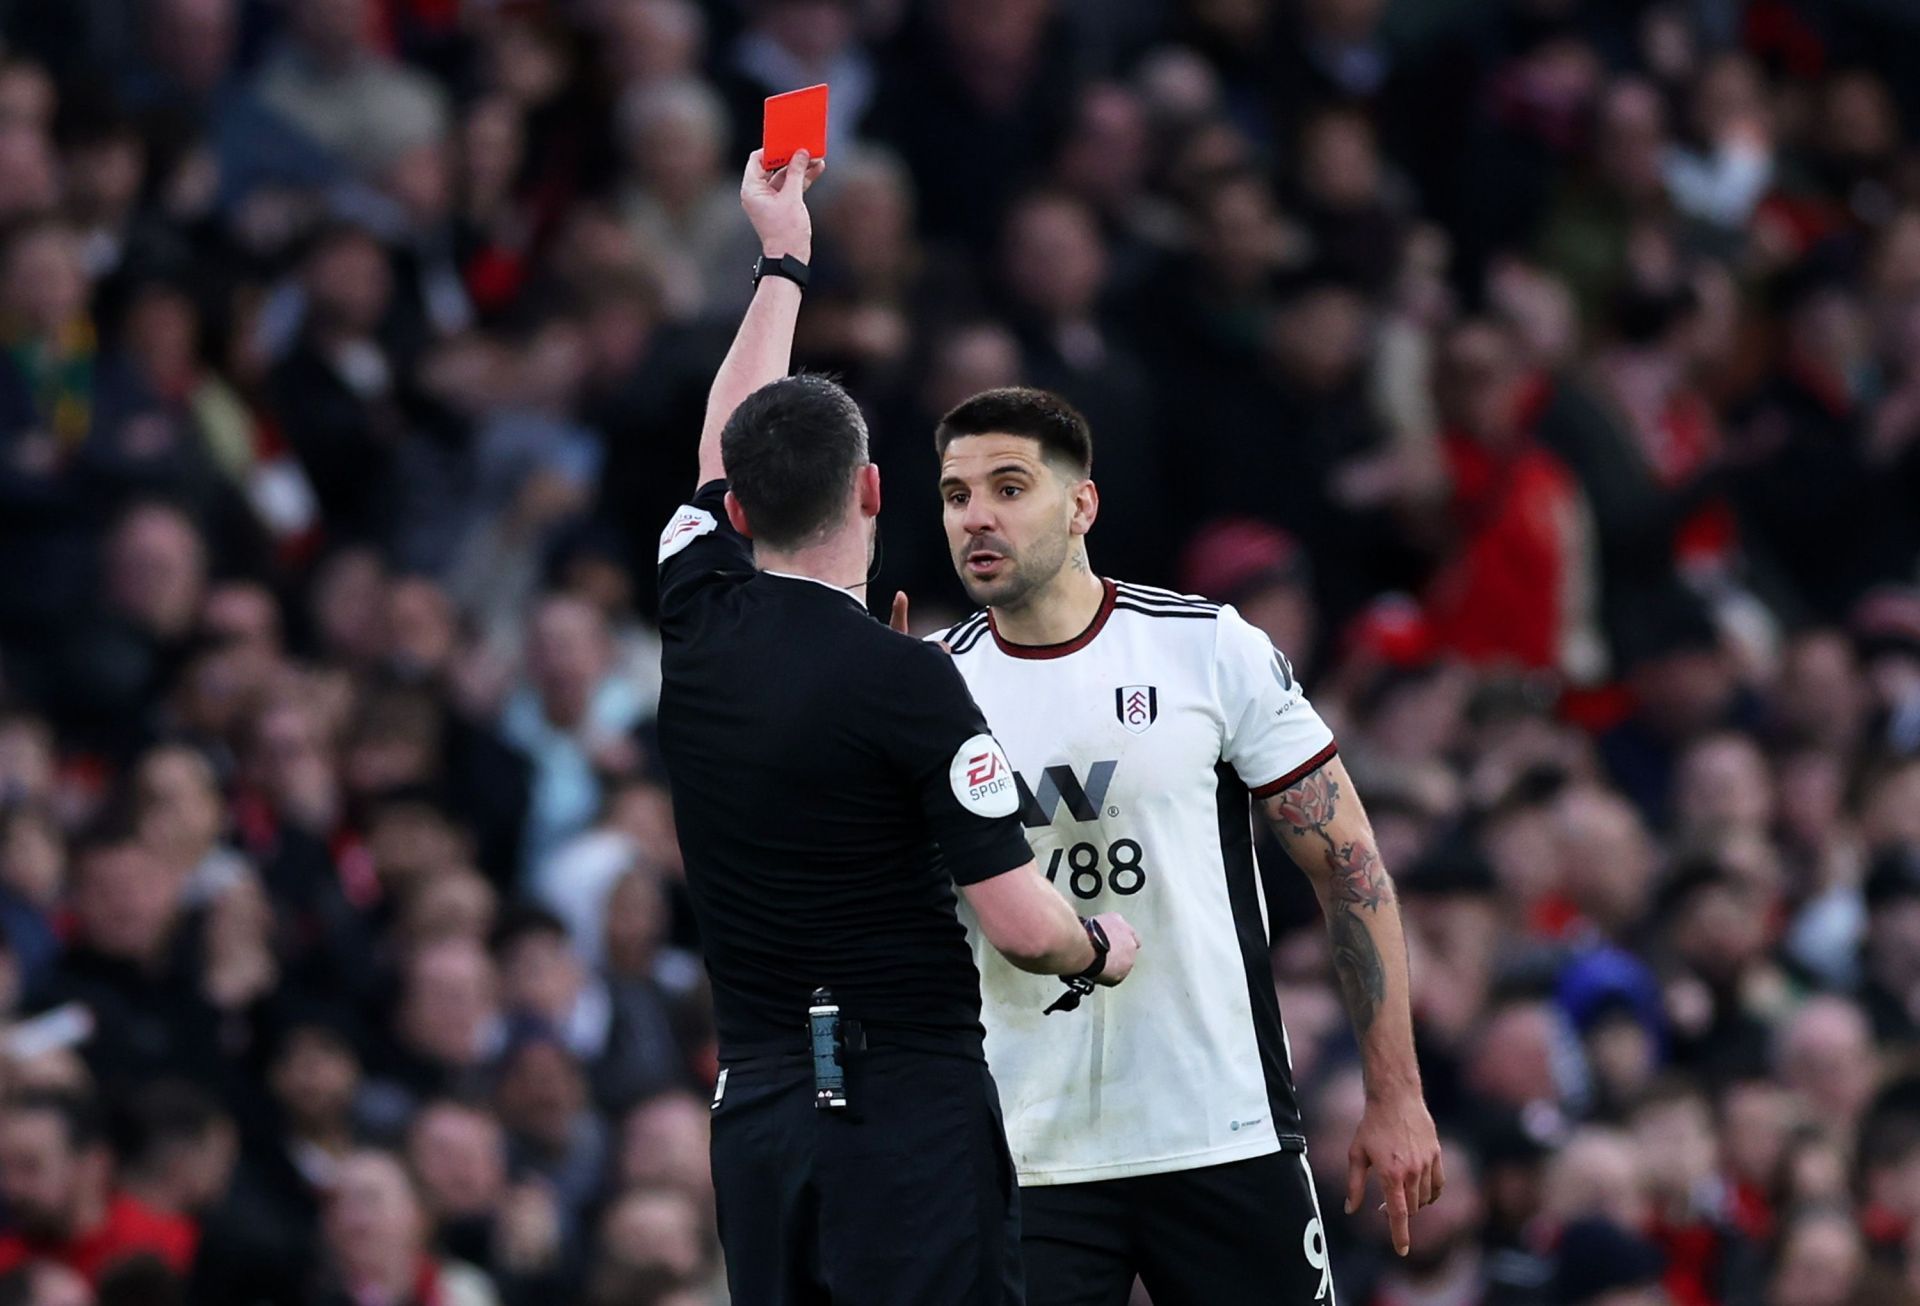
774, 204
1396, 1139
898, 618
1123, 945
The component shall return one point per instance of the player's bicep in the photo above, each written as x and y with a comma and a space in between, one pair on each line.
1321, 822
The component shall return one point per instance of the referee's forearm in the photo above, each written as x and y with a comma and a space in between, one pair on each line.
761, 353
1029, 923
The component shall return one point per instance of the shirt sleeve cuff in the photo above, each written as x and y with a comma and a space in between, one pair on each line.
1299, 773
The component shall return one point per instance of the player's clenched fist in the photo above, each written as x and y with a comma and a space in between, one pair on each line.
1123, 945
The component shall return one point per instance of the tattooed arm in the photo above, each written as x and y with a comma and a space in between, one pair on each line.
1326, 832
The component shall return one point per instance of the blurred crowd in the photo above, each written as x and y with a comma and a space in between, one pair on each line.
1542, 375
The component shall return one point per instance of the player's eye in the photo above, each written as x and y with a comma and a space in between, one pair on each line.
1010, 491
958, 498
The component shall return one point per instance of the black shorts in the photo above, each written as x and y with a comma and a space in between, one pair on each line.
906, 1198
1247, 1233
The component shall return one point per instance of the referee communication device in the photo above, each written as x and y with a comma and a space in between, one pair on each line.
829, 1072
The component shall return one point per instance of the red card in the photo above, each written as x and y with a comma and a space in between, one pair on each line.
795, 121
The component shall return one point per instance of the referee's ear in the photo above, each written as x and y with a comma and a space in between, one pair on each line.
867, 479
738, 516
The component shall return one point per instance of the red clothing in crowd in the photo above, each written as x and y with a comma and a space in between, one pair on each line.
128, 1230
1520, 583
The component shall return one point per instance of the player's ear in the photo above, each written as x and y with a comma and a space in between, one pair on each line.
867, 483
738, 516
1086, 507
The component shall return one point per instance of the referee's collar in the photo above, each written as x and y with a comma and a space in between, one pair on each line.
815, 580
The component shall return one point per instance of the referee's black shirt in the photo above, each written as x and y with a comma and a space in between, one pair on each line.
831, 778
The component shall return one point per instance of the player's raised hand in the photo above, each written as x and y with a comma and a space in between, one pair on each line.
1123, 945
1396, 1139
775, 204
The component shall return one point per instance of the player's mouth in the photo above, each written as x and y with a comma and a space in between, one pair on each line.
984, 563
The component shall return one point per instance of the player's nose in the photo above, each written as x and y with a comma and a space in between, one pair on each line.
978, 517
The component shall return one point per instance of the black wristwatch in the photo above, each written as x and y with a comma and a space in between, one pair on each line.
1078, 986
785, 266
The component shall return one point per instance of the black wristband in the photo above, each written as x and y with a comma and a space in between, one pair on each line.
785, 266
1097, 936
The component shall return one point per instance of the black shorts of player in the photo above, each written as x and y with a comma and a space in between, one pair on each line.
905, 1196
1239, 1234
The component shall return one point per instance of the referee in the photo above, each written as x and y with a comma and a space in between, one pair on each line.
832, 779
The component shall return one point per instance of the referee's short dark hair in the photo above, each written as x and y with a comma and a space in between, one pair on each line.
1020, 410
792, 448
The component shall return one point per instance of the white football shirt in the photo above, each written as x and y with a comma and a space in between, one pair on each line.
1138, 748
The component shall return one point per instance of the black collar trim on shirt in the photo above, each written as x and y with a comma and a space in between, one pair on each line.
1074, 645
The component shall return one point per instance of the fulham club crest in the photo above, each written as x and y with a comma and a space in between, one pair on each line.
1137, 706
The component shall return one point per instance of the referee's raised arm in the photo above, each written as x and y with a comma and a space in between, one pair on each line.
833, 782
762, 350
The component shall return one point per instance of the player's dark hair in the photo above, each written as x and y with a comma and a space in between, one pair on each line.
1038, 415
792, 449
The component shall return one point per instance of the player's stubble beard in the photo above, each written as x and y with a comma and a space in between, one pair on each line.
1027, 574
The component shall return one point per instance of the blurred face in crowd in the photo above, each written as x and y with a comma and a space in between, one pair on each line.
869, 217
1820, 1262
1596, 1174
103, 178
460, 1156
1055, 258
1512, 1060
1340, 161
1240, 237
1676, 1145
567, 656
373, 1223
1828, 1058
1891, 813
33, 857
1730, 98
349, 606
1105, 158
636, 921
332, 31
46, 282
655, 1228
1319, 338
181, 812
1810, 792
244, 617
540, 975
1607, 859
542, 1093
1858, 119
1012, 513
676, 131
47, 1183
1632, 141
29, 177
26, 759
56, 1285
456, 903
315, 1079
1893, 946
125, 902
350, 284
813, 31
411, 844
1480, 383
1723, 785
292, 762
28, 96
492, 148
1722, 930
157, 571
1684, 692
653, 40
664, 1144
1755, 1118
192, 40
450, 1002
967, 361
